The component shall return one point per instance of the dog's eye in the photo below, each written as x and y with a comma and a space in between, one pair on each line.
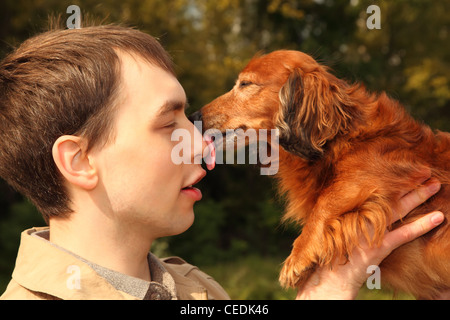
244, 84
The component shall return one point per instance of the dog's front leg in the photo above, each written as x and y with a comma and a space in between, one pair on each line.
303, 259
332, 235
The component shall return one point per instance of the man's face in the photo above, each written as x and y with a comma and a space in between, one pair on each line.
139, 183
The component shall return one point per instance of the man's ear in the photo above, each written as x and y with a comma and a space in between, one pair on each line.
74, 163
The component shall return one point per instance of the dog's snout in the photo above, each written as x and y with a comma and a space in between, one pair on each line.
196, 116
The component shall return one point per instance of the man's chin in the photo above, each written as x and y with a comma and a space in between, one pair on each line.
184, 222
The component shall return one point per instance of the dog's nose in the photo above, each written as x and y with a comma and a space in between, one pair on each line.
196, 116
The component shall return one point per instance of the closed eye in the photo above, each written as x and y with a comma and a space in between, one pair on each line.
245, 83
170, 125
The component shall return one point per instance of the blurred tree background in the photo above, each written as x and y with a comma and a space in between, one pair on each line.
237, 236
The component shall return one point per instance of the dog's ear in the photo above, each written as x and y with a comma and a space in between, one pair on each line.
312, 112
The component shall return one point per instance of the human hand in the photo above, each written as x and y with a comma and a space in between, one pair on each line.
343, 281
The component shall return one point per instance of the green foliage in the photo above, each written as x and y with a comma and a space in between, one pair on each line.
234, 219
251, 277
237, 224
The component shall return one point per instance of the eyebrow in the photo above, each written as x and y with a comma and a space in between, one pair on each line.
172, 105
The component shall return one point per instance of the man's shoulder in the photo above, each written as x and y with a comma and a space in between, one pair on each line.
15, 291
186, 274
185, 269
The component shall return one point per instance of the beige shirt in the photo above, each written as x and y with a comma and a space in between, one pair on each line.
46, 271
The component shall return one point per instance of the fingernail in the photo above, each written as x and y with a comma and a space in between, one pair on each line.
434, 187
437, 218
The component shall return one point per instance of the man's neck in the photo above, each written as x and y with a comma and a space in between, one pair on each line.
102, 242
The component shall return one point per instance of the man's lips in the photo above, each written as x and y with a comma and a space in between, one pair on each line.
193, 192
198, 178
210, 160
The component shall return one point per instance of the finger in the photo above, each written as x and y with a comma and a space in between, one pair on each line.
413, 230
416, 197
425, 176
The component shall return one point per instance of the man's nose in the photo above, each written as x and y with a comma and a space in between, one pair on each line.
196, 116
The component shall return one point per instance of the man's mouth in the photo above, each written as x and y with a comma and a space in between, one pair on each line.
192, 191
198, 179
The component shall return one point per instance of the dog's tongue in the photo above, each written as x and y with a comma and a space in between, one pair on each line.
211, 158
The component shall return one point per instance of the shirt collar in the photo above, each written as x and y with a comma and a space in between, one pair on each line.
45, 267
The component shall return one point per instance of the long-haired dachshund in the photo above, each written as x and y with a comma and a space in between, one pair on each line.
346, 155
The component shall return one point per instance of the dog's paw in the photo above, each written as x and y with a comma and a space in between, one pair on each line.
295, 272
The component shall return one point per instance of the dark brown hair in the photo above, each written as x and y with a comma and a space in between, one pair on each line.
62, 82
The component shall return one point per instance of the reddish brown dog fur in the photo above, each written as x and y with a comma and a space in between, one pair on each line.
346, 157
